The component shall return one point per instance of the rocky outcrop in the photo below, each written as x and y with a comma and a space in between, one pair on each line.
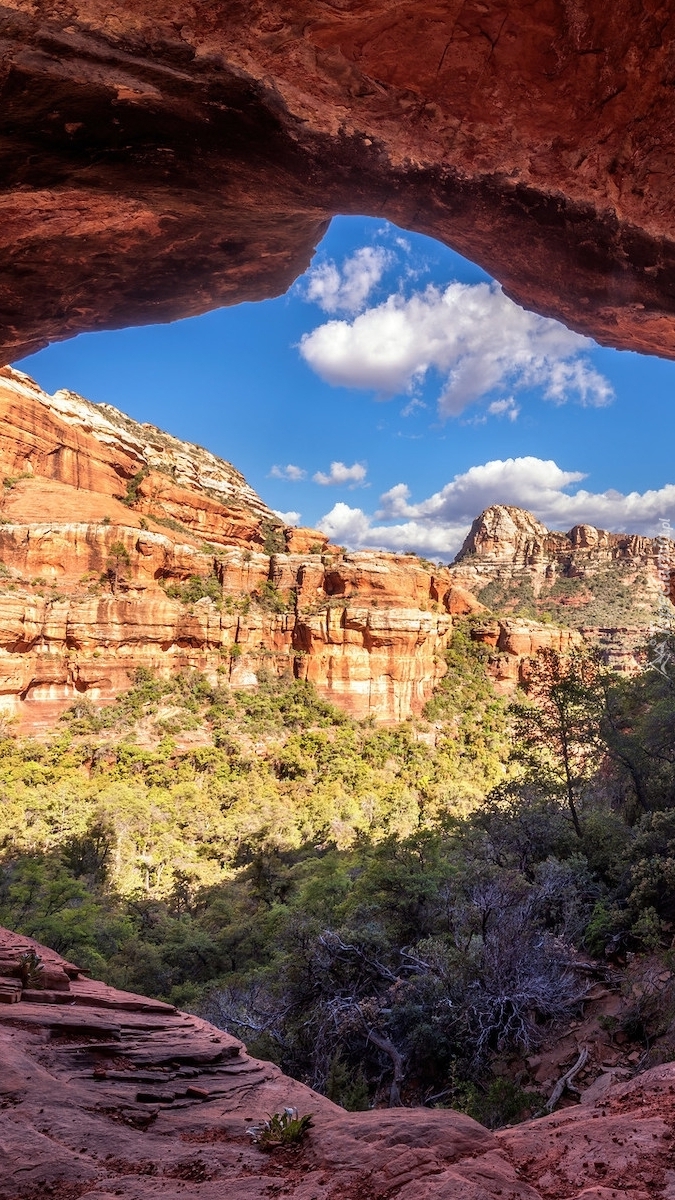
106, 1093
505, 541
612, 588
513, 644
175, 563
159, 161
99, 450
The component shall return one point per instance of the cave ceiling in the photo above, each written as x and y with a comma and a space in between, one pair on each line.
160, 159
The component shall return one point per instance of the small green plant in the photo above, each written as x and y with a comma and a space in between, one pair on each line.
271, 598
502, 1103
274, 541
105, 521
169, 523
32, 971
117, 562
143, 523
197, 587
133, 485
284, 1129
9, 480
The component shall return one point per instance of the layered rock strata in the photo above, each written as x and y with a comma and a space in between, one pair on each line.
160, 160
513, 644
104, 1093
615, 589
175, 563
505, 541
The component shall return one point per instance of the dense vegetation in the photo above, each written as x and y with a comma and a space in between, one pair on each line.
608, 598
384, 912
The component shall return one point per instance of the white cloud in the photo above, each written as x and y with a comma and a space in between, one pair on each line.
289, 473
288, 518
472, 335
504, 408
439, 524
340, 473
345, 524
347, 290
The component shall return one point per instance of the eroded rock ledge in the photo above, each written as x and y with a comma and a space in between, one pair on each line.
161, 159
104, 1093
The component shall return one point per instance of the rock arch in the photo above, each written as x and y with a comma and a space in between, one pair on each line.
169, 157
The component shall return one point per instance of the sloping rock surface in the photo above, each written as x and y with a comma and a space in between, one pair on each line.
104, 1093
164, 158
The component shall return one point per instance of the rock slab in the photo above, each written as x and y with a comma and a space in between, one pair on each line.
117, 1095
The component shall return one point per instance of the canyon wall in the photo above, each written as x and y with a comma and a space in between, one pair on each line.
162, 159
122, 547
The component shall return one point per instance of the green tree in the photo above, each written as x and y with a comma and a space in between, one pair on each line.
117, 563
559, 730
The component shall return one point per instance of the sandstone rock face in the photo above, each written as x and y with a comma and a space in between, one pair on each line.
505, 540
613, 587
514, 643
104, 1093
97, 449
192, 156
84, 602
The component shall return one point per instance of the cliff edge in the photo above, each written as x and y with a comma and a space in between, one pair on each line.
104, 1093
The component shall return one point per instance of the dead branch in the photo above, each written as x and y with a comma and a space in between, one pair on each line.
565, 1081
389, 1049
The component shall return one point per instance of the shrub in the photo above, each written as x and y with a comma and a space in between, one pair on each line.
195, 588
270, 597
133, 485
274, 541
284, 1129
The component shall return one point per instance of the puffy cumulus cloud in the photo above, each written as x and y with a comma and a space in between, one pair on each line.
347, 525
528, 482
340, 473
472, 335
347, 289
288, 518
289, 473
439, 524
353, 528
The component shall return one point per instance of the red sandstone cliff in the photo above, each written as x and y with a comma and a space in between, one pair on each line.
101, 522
85, 601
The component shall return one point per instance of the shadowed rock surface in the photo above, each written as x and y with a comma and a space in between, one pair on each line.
161, 159
103, 1093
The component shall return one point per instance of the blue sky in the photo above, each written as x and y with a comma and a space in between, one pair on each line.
402, 364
